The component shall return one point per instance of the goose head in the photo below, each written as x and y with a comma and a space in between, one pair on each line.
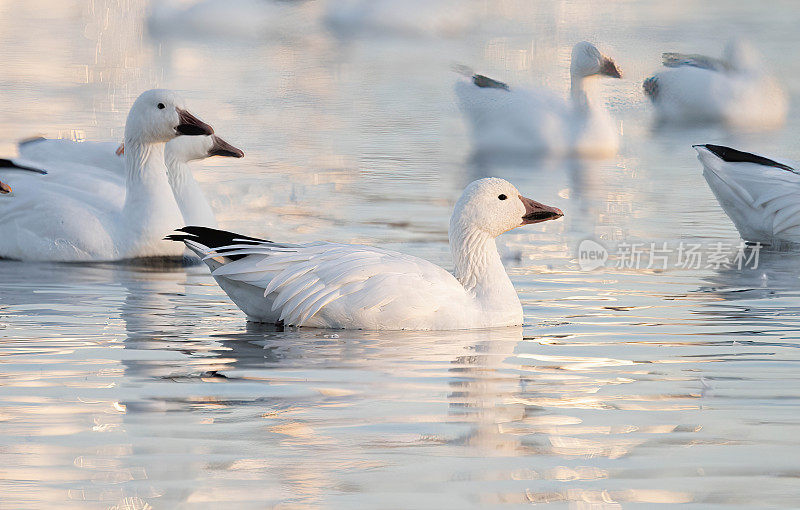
588, 61
158, 116
191, 148
494, 206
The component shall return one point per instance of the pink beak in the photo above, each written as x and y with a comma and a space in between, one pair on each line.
536, 212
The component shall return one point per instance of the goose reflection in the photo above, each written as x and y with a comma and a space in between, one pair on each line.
266, 403
775, 275
307, 412
757, 301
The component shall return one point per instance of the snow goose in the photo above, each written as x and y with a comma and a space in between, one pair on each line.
760, 195
54, 222
409, 18
178, 152
231, 19
734, 90
537, 121
345, 286
190, 197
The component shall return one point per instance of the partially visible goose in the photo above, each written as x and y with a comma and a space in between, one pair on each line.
52, 221
231, 19
178, 153
760, 195
190, 197
409, 18
735, 90
537, 121
332, 285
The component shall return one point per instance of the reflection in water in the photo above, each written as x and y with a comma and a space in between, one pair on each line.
183, 403
173, 394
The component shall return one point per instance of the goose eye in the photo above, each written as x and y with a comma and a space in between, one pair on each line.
161, 106
502, 197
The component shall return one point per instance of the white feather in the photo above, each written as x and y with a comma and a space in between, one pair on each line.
362, 287
762, 201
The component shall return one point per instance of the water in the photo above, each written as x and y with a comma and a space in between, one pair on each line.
137, 387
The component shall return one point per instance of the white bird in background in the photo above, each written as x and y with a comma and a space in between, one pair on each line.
178, 153
734, 90
537, 121
50, 221
409, 18
760, 195
332, 285
231, 19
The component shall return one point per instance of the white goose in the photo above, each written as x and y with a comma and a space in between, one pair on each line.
537, 121
409, 18
734, 90
48, 220
760, 195
332, 285
178, 153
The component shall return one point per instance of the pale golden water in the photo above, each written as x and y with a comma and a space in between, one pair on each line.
129, 388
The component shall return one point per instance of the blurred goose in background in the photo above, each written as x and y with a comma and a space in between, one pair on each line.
537, 121
231, 19
409, 18
52, 221
734, 90
178, 153
760, 195
332, 285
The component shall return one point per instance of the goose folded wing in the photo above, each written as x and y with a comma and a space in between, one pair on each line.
694, 60
306, 278
767, 186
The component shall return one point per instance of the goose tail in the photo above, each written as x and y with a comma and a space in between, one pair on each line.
758, 194
204, 241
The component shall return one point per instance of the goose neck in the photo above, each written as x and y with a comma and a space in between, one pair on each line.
584, 93
477, 264
144, 165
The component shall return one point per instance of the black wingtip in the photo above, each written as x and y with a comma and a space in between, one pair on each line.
29, 140
485, 82
8, 163
211, 237
650, 86
214, 238
731, 155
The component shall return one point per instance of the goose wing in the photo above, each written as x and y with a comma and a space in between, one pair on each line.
339, 281
93, 154
761, 195
694, 60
